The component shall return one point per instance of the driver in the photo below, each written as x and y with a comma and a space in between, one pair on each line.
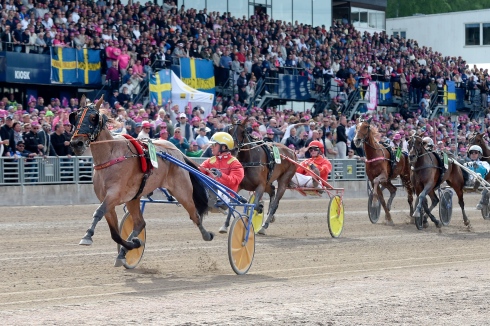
318, 164
428, 144
222, 166
479, 167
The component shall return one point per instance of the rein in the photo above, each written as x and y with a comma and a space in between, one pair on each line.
118, 159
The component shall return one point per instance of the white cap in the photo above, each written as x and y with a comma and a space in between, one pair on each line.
182, 115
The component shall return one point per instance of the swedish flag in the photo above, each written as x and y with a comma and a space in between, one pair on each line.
450, 99
88, 67
63, 65
160, 87
384, 91
198, 74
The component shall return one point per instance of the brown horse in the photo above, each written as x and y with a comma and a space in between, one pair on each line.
259, 174
378, 167
426, 176
118, 177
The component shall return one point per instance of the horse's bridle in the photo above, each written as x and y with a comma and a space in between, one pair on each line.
418, 154
246, 140
92, 131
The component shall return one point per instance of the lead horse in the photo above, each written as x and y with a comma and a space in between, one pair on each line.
426, 174
378, 167
118, 177
260, 171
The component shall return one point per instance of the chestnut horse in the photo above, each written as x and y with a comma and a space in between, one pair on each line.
118, 177
426, 176
378, 167
259, 174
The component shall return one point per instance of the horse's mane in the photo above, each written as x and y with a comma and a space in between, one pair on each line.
374, 132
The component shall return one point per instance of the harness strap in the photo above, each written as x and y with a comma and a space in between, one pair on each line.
110, 163
143, 184
426, 167
379, 158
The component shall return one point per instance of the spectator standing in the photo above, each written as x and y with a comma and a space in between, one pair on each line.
60, 144
7, 136
342, 138
185, 128
330, 150
179, 141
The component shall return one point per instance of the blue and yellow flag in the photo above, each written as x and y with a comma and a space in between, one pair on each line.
450, 98
160, 87
88, 67
384, 91
198, 74
63, 65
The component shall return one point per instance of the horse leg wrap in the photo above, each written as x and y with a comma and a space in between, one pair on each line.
260, 208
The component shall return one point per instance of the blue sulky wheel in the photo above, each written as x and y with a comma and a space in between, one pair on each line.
446, 206
485, 212
373, 210
240, 252
133, 257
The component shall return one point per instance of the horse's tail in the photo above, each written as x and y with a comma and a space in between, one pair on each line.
199, 194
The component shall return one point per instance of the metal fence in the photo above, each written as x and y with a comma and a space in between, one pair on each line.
75, 170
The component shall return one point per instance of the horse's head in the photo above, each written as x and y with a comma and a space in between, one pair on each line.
88, 123
416, 148
238, 130
362, 131
478, 139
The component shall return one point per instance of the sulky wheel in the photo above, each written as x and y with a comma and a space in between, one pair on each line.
335, 216
419, 221
373, 210
485, 212
134, 256
446, 206
241, 251
257, 218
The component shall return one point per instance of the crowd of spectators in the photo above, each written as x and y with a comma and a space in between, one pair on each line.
136, 38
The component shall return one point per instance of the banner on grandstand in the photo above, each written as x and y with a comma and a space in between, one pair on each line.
88, 67
75, 66
450, 98
198, 74
160, 87
372, 96
385, 92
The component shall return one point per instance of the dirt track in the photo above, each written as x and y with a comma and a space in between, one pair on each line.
372, 275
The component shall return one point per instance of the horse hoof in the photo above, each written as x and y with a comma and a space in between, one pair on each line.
119, 262
415, 215
389, 222
273, 219
85, 242
261, 231
426, 225
211, 236
137, 243
223, 229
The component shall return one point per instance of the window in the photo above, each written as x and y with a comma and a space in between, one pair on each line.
302, 11
238, 8
486, 33
472, 34
322, 13
283, 10
216, 5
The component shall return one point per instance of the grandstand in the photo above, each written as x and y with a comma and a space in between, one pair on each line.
345, 65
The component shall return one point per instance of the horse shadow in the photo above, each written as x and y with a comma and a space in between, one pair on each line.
151, 281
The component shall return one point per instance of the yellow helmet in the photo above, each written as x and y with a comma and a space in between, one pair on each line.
223, 138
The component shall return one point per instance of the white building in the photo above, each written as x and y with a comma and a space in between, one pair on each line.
465, 34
